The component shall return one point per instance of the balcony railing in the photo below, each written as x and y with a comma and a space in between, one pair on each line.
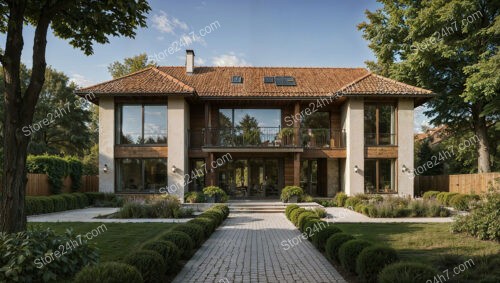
266, 137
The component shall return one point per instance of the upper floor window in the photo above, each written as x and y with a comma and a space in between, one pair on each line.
141, 124
380, 124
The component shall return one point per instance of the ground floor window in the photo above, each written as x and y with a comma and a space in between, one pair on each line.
197, 175
309, 176
141, 175
380, 176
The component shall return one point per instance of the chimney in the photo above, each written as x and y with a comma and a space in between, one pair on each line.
189, 61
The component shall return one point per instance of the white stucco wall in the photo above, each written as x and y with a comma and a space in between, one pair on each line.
178, 125
106, 144
405, 145
352, 120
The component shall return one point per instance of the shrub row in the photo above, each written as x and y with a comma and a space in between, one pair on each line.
370, 262
165, 206
456, 200
54, 203
158, 259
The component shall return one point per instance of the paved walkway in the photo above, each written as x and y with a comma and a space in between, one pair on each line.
250, 247
89, 214
344, 215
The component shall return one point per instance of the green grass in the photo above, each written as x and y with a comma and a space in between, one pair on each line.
118, 240
433, 244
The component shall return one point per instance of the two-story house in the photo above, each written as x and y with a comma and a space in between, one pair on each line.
254, 130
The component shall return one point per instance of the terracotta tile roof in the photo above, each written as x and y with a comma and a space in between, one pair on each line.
146, 81
216, 82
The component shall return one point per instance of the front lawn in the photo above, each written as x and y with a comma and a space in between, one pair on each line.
118, 240
433, 244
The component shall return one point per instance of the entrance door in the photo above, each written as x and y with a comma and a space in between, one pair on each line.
309, 176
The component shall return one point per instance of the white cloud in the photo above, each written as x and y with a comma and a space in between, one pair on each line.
188, 40
167, 24
229, 60
199, 61
80, 80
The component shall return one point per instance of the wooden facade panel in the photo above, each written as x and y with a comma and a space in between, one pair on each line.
381, 152
141, 151
197, 116
324, 153
288, 168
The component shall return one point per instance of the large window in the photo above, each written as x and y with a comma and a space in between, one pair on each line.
380, 176
141, 175
141, 124
379, 124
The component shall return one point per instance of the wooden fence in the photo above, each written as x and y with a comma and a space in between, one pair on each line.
462, 183
38, 185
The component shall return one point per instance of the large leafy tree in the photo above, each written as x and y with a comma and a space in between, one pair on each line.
83, 23
450, 47
131, 64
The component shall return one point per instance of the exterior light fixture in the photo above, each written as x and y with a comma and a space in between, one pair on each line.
356, 168
105, 169
174, 168
405, 169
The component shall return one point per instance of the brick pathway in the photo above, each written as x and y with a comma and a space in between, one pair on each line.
248, 248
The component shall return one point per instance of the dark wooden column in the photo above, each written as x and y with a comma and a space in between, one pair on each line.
296, 169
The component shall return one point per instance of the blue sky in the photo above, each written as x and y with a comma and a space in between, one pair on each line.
257, 33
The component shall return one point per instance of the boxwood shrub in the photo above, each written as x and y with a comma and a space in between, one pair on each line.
462, 202
109, 272
313, 225
303, 217
291, 191
217, 216
208, 224
321, 236
195, 231
149, 263
408, 272
289, 208
430, 195
168, 250
372, 260
294, 215
333, 245
349, 251
223, 208
59, 203
181, 240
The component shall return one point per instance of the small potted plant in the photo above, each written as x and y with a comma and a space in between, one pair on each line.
215, 194
291, 194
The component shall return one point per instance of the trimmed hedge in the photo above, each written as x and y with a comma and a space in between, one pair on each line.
181, 240
48, 204
289, 208
462, 202
313, 225
294, 215
349, 252
372, 260
109, 272
304, 216
408, 272
322, 235
430, 195
168, 250
149, 263
333, 245
194, 231
99, 199
208, 224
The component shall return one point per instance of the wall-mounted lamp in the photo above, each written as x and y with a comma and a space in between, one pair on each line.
405, 169
105, 169
174, 169
356, 168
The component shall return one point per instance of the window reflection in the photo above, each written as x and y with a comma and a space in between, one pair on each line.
142, 124
135, 175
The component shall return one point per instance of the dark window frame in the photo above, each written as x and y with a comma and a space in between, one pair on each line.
117, 176
378, 105
377, 188
119, 123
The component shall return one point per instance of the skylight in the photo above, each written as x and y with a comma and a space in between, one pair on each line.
268, 80
237, 80
285, 81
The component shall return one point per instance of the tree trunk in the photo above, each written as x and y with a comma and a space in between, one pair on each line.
481, 131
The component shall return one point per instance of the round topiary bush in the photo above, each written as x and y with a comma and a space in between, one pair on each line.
303, 217
447, 198
181, 240
224, 208
168, 250
430, 195
110, 272
333, 245
440, 197
149, 263
218, 217
195, 231
408, 272
372, 260
294, 215
289, 208
289, 192
207, 223
321, 236
313, 225
349, 251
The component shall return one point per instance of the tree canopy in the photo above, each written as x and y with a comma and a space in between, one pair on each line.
450, 47
131, 64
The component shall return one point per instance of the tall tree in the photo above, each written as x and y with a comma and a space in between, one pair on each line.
82, 22
249, 129
131, 64
450, 47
